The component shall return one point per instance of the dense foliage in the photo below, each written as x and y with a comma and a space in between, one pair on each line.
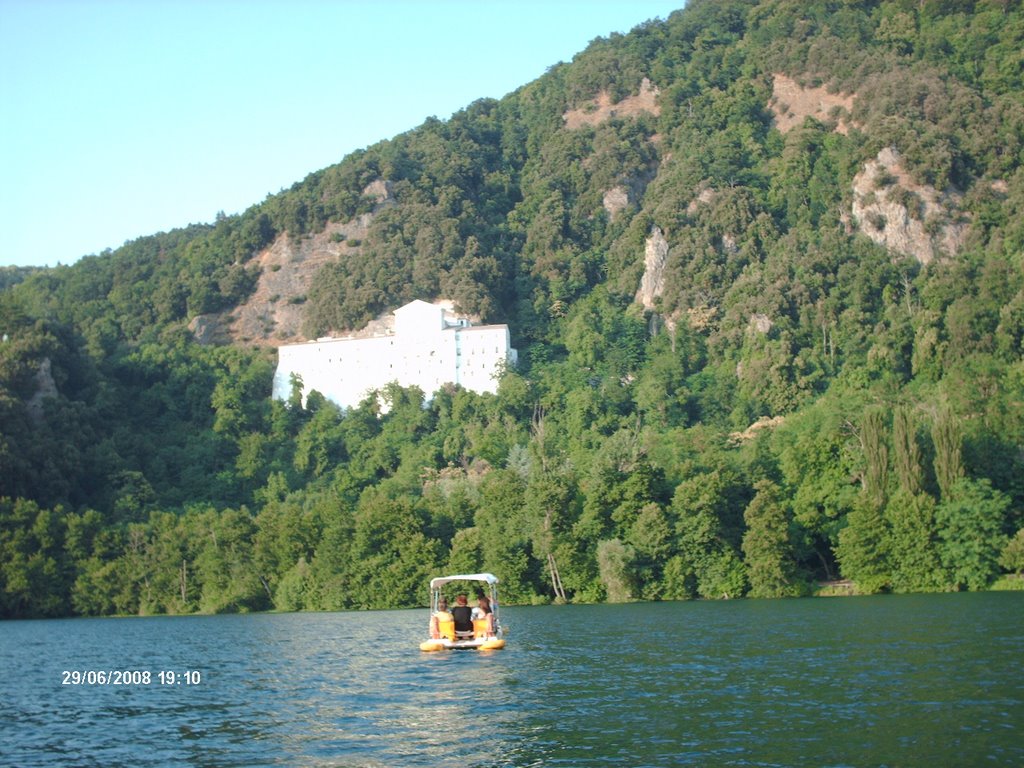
801, 404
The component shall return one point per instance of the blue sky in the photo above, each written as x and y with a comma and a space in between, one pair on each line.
125, 118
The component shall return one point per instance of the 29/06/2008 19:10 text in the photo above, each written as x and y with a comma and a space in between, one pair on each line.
131, 677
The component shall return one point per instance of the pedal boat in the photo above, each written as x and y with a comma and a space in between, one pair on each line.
483, 637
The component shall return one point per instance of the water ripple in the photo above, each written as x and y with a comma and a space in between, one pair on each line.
916, 681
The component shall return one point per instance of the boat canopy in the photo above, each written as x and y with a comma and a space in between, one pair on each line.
438, 582
485, 632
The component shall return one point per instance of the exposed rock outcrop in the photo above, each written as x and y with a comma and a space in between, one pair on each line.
628, 192
380, 192
273, 313
760, 323
600, 109
792, 102
765, 422
616, 200
889, 207
45, 387
652, 284
705, 197
209, 329
905, 217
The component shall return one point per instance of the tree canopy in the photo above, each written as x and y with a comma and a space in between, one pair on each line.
794, 397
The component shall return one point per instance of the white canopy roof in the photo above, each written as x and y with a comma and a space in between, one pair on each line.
439, 581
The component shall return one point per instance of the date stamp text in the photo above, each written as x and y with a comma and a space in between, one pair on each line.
166, 677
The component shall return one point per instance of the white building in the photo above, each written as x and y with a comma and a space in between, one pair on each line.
428, 346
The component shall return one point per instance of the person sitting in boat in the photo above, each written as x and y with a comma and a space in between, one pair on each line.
463, 616
483, 616
438, 616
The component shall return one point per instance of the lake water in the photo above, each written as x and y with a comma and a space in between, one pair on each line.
930, 680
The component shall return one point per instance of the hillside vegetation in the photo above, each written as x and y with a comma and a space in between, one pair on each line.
764, 264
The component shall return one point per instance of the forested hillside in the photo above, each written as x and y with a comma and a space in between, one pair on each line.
764, 264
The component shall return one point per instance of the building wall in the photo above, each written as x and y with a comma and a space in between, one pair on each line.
480, 354
429, 348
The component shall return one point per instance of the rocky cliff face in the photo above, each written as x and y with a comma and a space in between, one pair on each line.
273, 314
889, 207
907, 218
652, 284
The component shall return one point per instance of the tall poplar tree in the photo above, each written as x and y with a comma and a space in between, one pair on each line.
907, 452
948, 440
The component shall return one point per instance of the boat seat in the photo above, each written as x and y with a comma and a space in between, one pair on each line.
446, 629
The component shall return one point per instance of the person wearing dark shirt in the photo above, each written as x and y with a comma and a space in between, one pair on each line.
463, 616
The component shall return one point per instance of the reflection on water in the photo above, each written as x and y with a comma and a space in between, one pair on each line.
922, 680
300, 689
929, 680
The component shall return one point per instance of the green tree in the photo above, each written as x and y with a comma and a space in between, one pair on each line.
873, 433
651, 537
705, 531
292, 593
34, 580
913, 543
863, 547
1012, 557
549, 501
614, 560
768, 553
224, 567
948, 440
505, 543
466, 554
907, 454
970, 526
392, 558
